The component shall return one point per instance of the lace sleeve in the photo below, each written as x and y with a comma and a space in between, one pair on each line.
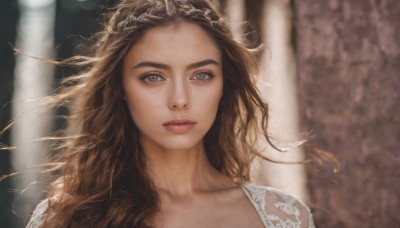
38, 215
283, 210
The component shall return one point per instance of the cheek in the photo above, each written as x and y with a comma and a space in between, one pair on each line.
138, 109
139, 105
210, 101
146, 110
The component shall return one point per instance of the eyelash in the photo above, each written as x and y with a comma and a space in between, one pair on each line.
146, 76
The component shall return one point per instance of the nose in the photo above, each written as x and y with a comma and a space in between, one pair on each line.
179, 97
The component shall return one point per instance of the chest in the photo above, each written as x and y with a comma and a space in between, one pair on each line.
208, 212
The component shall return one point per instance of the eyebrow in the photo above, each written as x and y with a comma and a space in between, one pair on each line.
167, 67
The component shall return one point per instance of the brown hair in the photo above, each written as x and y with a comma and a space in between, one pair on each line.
101, 168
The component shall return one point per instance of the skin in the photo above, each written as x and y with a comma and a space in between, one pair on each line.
174, 73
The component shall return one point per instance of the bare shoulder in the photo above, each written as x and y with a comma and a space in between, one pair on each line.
278, 208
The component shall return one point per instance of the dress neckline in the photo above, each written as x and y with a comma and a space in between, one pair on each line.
256, 195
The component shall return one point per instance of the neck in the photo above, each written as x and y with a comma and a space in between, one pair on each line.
182, 172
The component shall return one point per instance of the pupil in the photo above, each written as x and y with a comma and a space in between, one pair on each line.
152, 78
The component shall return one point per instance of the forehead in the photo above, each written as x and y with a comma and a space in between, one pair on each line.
179, 40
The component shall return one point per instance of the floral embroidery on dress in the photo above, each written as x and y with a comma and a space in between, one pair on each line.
288, 206
280, 223
287, 213
38, 215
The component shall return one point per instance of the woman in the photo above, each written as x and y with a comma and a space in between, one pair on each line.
162, 128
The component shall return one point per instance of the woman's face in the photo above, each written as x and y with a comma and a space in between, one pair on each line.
172, 78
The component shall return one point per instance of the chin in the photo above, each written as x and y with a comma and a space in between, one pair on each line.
181, 145
176, 143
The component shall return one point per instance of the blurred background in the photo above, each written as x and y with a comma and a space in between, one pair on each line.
330, 67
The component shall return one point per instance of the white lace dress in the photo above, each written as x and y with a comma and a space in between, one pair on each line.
276, 209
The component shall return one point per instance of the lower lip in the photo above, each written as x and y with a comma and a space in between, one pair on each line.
179, 128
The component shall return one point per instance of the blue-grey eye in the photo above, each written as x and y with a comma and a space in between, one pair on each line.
202, 76
152, 78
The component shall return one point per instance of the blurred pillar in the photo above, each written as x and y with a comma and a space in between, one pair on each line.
33, 80
217, 3
235, 10
278, 85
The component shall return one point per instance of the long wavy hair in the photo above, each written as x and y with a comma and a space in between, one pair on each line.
100, 178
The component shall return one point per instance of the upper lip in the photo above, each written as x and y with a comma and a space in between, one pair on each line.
178, 121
